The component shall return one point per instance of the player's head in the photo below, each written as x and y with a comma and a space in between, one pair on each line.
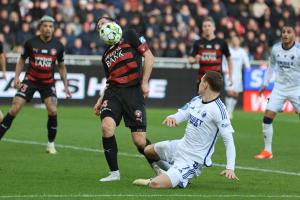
46, 26
208, 26
102, 20
288, 34
235, 41
211, 82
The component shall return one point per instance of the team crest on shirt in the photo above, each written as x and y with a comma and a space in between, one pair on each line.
292, 57
142, 39
217, 46
138, 115
53, 52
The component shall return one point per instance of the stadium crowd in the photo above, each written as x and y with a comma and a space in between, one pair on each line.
170, 26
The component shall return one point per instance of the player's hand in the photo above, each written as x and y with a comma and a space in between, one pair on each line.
197, 58
17, 83
68, 93
228, 173
145, 89
170, 122
262, 90
97, 108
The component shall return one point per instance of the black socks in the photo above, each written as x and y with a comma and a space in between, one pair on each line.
110, 151
5, 124
52, 127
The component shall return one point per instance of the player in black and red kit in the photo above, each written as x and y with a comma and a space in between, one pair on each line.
3, 67
209, 51
43, 52
127, 86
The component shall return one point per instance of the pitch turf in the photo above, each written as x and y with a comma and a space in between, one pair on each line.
27, 172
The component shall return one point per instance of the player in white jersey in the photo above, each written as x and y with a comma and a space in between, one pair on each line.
285, 62
239, 59
207, 119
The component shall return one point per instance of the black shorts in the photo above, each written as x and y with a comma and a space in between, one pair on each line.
28, 88
128, 103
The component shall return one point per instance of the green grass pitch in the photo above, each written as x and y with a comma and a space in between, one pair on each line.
27, 172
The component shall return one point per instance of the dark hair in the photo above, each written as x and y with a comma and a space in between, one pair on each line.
209, 19
104, 17
215, 80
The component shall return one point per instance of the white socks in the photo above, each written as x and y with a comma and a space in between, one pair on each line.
230, 104
268, 134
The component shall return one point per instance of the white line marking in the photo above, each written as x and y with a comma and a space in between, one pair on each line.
150, 196
140, 156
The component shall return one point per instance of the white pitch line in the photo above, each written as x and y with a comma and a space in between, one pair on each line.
140, 156
149, 196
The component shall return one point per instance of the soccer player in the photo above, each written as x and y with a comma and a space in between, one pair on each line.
239, 59
3, 67
127, 86
285, 62
207, 119
209, 51
43, 52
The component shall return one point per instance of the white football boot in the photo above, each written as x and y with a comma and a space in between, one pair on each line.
51, 148
113, 176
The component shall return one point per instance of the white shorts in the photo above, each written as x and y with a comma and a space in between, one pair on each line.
181, 171
236, 86
278, 98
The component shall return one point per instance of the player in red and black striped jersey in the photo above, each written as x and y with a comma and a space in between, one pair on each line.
3, 67
208, 51
43, 52
127, 86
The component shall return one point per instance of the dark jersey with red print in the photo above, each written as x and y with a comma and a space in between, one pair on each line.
42, 59
211, 54
123, 61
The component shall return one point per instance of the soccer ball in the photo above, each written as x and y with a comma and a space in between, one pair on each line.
110, 33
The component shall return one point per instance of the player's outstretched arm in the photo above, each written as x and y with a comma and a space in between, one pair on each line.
18, 70
63, 75
148, 64
228, 173
3, 65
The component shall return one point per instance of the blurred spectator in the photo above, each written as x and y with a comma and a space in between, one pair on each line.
24, 34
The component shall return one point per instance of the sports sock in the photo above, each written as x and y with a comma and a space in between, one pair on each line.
111, 152
141, 150
163, 164
52, 127
228, 102
268, 134
5, 124
233, 103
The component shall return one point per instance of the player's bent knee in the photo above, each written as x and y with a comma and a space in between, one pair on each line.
267, 120
108, 129
149, 150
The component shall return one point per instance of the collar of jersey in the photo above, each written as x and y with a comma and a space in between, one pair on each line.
206, 102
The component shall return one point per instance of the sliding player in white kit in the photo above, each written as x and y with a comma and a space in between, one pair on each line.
285, 62
207, 119
239, 59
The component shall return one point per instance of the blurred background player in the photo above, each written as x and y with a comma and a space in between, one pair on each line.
3, 67
43, 52
209, 51
207, 119
239, 59
127, 86
285, 62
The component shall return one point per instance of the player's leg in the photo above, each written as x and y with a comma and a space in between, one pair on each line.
111, 115
24, 94
274, 105
51, 105
135, 117
231, 101
48, 96
1, 116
